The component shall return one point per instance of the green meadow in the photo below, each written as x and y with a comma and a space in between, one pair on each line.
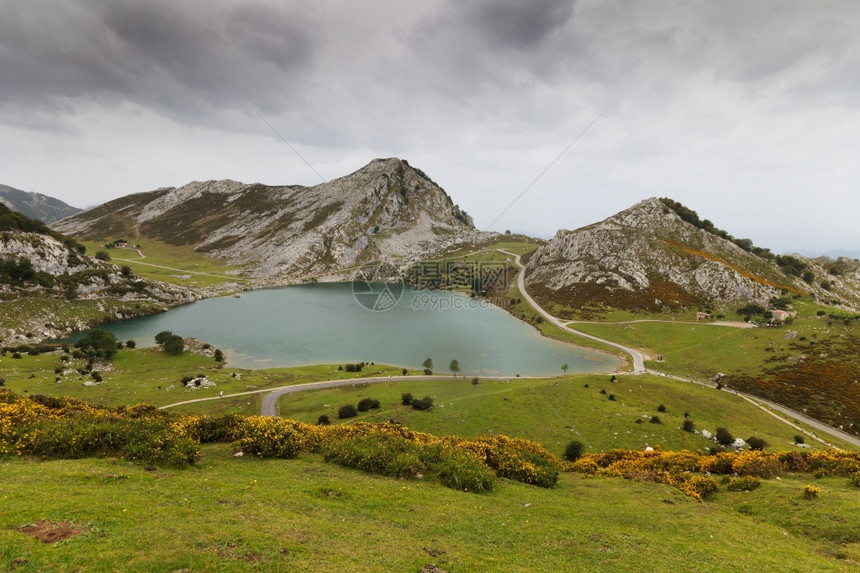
237, 514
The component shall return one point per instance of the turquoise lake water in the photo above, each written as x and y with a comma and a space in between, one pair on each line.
327, 323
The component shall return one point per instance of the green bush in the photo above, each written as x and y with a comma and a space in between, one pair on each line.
173, 345
688, 425
366, 404
798, 439
406, 399
347, 411
323, 420
756, 443
724, 437
655, 420
661, 408
465, 473
423, 404
744, 483
214, 429
574, 451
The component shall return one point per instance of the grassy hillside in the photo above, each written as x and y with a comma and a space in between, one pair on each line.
809, 365
149, 375
173, 264
234, 514
553, 412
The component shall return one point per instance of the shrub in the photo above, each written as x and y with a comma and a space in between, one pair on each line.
428, 372
661, 408
744, 483
16, 355
423, 404
798, 439
655, 420
98, 343
688, 425
347, 411
475, 381
574, 451
97, 376
271, 437
323, 420
406, 399
724, 437
603, 391
810, 491
698, 487
612, 397
219, 355
465, 472
162, 336
212, 429
366, 404
173, 345
756, 463
756, 443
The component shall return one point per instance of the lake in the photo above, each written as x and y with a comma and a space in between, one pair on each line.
331, 324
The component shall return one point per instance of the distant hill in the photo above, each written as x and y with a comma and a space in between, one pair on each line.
660, 255
386, 211
35, 205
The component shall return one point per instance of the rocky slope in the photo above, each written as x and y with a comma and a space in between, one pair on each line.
38, 266
386, 211
35, 205
649, 257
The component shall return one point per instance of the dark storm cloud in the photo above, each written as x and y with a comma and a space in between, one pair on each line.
186, 58
511, 23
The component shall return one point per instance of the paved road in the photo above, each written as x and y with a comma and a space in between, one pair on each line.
763, 404
639, 368
690, 322
635, 355
268, 407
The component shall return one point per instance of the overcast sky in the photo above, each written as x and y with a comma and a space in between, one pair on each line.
746, 111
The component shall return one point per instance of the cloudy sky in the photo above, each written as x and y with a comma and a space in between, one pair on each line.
746, 111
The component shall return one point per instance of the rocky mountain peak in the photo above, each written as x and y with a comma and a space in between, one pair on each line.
649, 256
387, 210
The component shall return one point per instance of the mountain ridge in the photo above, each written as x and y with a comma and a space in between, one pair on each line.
36, 205
387, 211
650, 256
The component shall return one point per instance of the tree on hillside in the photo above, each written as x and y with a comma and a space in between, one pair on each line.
162, 336
174, 345
454, 367
564, 368
171, 343
99, 343
428, 363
